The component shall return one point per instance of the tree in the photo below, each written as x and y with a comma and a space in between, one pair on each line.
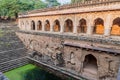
75, 1
39, 4
51, 3
11, 8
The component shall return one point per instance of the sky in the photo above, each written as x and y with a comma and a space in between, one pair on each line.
63, 1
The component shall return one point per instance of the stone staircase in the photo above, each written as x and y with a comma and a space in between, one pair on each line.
12, 64
12, 50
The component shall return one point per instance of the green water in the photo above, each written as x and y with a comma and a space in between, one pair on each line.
30, 72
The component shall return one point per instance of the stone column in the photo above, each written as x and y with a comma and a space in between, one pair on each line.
25, 24
107, 25
51, 26
90, 25
36, 25
62, 26
75, 25
30, 25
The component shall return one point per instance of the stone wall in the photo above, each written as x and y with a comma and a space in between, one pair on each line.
72, 56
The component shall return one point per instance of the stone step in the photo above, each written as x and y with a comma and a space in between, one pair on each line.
7, 66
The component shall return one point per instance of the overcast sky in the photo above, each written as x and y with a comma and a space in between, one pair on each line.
63, 1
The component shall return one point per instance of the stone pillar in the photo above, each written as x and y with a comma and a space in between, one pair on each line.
51, 26
107, 31
43, 26
36, 25
25, 25
61, 26
75, 25
107, 25
90, 25
30, 24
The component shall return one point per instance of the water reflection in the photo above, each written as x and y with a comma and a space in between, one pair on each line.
39, 74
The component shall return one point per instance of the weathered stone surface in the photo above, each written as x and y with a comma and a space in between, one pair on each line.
74, 57
87, 39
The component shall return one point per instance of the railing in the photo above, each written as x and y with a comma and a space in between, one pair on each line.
67, 6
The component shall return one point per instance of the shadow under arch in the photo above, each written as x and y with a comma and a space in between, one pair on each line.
39, 25
90, 66
56, 26
98, 26
115, 30
82, 27
47, 25
32, 25
68, 26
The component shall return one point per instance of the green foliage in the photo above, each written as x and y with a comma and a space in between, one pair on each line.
11, 8
39, 4
76, 1
51, 3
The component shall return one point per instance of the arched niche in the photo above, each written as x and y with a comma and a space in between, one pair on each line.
47, 25
39, 25
72, 58
68, 26
32, 25
90, 67
115, 30
82, 27
56, 26
98, 26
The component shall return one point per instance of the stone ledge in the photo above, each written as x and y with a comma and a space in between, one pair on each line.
95, 39
58, 71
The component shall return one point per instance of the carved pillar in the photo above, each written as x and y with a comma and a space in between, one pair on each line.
75, 26
90, 25
26, 24
107, 25
36, 25
62, 26
23, 25
51, 26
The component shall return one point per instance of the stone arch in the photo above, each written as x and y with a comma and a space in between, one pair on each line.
47, 25
39, 25
98, 27
72, 58
33, 44
22, 24
90, 66
56, 26
68, 25
32, 25
82, 27
115, 30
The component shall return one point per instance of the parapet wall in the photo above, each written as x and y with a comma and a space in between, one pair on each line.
87, 6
